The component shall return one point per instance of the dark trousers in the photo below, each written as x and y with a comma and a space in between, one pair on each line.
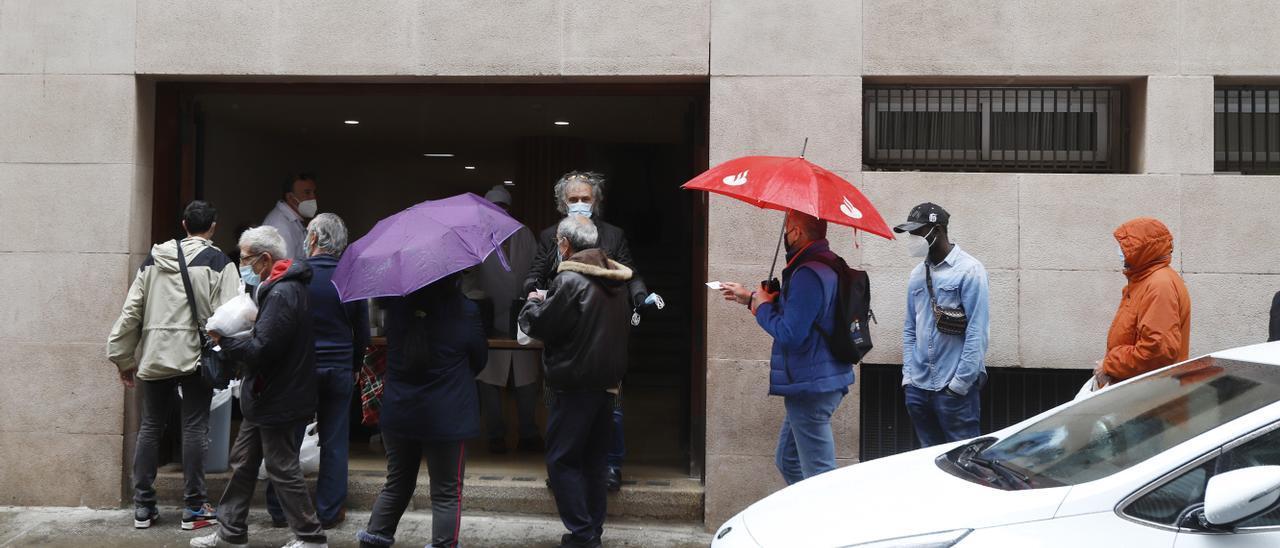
158, 397
578, 438
445, 467
333, 411
277, 445
495, 417
940, 416
618, 443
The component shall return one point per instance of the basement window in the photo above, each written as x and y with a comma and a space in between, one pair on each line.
1025, 128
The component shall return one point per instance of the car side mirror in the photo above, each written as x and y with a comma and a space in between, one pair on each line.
1240, 495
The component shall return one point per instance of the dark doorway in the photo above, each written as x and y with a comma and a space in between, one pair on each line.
234, 144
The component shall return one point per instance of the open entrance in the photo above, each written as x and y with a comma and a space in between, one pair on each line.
377, 149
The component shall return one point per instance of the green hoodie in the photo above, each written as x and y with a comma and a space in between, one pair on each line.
154, 332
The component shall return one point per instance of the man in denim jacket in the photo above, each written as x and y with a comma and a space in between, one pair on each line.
942, 374
802, 369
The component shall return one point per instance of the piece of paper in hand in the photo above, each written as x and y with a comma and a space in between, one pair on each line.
714, 285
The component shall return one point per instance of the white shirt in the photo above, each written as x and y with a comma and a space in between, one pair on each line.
291, 227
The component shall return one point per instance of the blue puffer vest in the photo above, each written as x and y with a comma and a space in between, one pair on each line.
801, 362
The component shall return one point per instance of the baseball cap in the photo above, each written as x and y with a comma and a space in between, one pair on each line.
924, 214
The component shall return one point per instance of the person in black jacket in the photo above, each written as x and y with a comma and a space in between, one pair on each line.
582, 193
341, 333
583, 322
435, 347
278, 393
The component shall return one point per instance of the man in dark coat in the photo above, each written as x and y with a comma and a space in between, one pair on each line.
278, 394
581, 193
583, 322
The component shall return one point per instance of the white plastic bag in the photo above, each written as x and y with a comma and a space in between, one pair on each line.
523, 338
235, 317
223, 396
308, 456
1090, 388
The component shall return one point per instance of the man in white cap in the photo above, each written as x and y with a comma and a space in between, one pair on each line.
515, 368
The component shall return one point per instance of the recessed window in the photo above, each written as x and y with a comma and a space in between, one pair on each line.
1246, 129
1033, 129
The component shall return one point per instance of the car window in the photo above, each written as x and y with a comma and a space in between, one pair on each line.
1166, 504
1127, 424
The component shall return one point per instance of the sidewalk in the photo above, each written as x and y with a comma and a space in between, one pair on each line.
114, 528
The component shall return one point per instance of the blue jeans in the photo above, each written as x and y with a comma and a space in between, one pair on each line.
333, 387
806, 446
943, 416
617, 445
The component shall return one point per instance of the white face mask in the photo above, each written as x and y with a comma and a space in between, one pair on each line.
307, 208
918, 246
580, 208
1120, 251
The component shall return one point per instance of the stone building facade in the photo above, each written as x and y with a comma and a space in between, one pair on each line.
77, 83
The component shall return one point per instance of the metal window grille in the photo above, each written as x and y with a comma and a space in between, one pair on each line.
1246, 129
1010, 395
1033, 129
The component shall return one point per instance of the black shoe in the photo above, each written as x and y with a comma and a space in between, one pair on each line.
336, 521
498, 446
614, 483
144, 515
531, 445
567, 541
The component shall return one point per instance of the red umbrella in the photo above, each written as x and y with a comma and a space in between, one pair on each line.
782, 183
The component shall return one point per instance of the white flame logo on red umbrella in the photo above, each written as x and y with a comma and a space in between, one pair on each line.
848, 209
736, 180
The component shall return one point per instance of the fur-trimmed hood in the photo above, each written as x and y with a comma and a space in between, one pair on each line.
593, 262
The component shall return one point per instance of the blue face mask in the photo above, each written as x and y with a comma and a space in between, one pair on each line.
249, 276
580, 208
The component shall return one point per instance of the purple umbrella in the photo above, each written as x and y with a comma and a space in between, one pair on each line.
422, 244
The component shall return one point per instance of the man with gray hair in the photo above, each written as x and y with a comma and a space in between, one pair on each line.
341, 333
584, 324
278, 392
581, 193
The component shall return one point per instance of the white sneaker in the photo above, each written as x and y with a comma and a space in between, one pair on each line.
299, 543
212, 541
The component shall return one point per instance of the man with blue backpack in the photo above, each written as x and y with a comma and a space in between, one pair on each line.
817, 319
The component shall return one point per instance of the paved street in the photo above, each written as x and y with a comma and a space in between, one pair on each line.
114, 528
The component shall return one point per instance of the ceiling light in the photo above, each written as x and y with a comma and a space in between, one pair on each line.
439, 154
509, 183
562, 122
352, 122
468, 167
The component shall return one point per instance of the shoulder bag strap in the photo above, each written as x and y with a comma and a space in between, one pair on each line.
928, 282
191, 297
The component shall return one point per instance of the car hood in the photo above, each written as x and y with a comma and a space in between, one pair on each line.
896, 496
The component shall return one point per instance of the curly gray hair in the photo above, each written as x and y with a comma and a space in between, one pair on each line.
330, 233
264, 239
589, 178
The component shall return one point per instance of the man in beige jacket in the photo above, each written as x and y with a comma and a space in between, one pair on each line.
156, 347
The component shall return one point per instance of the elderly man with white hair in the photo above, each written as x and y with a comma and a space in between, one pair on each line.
341, 333
278, 394
584, 324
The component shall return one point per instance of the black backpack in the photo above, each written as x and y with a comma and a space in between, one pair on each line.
851, 339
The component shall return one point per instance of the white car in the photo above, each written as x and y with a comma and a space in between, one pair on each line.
1187, 456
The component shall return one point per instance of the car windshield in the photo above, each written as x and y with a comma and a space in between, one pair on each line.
1123, 426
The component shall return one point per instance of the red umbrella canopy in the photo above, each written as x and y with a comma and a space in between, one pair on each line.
778, 182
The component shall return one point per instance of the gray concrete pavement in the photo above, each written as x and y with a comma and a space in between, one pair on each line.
114, 528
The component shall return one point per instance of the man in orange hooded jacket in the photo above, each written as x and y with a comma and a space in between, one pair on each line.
1152, 327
